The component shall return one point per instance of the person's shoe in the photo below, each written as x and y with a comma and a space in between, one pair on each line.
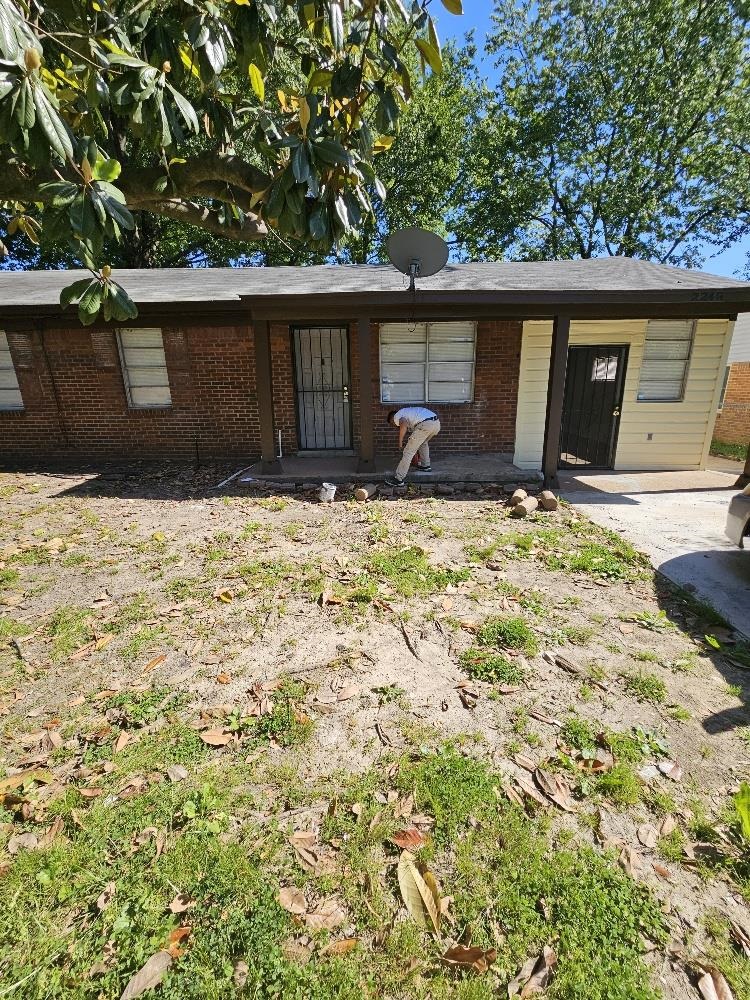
395, 481
423, 468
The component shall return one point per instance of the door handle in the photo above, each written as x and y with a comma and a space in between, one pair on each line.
346, 393
616, 412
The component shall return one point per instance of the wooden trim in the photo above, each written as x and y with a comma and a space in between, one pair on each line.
555, 400
264, 392
366, 432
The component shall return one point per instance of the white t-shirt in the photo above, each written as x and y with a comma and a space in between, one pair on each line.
413, 415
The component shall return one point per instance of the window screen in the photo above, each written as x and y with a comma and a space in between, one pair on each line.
666, 359
10, 393
144, 367
427, 362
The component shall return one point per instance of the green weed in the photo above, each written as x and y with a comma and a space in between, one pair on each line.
508, 633
410, 573
493, 668
645, 687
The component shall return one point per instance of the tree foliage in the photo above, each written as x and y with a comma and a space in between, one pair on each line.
617, 127
237, 118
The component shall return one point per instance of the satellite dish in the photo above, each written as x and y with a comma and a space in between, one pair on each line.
417, 252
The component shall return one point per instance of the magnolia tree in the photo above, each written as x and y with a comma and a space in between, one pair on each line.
165, 108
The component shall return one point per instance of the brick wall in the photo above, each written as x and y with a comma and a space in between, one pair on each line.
733, 421
75, 404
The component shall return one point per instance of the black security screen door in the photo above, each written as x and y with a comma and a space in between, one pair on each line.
593, 401
321, 369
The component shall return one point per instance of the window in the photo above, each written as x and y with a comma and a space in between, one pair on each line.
666, 359
144, 368
10, 393
604, 369
427, 362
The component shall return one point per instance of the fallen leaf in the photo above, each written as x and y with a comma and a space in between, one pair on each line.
528, 789
417, 894
351, 691
741, 935
90, 793
713, 986
327, 915
181, 903
648, 835
224, 595
216, 737
409, 839
478, 959
102, 642
662, 870
106, 896
149, 976
54, 831
292, 900
177, 772
153, 664
668, 825
629, 860
342, 947
670, 769
547, 719
122, 740
22, 841
535, 975
223, 678
17, 780
176, 937
555, 788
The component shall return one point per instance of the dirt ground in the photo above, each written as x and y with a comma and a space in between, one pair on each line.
317, 645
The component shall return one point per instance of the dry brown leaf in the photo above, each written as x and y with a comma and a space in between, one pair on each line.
223, 678
177, 772
668, 825
713, 986
662, 870
153, 664
648, 835
535, 975
417, 894
350, 691
181, 903
741, 935
149, 976
122, 740
629, 860
106, 896
22, 841
17, 780
216, 737
410, 839
670, 769
526, 762
527, 787
176, 937
555, 788
513, 795
292, 900
478, 959
52, 832
342, 947
404, 807
103, 642
547, 719
54, 739
90, 793
327, 915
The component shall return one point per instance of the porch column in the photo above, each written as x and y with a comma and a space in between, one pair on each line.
745, 476
367, 442
555, 396
262, 337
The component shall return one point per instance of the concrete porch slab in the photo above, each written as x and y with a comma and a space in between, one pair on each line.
485, 467
677, 519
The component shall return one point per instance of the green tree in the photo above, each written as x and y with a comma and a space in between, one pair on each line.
237, 119
616, 127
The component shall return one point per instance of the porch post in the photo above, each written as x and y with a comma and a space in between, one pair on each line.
555, 396
744, 479
264, 390
367, 442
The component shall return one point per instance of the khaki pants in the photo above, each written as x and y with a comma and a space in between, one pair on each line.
418, 442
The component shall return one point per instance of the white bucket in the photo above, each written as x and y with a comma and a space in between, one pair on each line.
326, 493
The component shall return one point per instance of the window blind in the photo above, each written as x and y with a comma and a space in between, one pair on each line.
666, 359
427, 362
144, 367
10, 392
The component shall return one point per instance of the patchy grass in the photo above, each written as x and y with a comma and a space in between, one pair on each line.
69, 628
725, 449
508, 633
494, 668
410, 573
645, 687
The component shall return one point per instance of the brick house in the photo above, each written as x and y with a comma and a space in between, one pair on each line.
609, 363
733, 418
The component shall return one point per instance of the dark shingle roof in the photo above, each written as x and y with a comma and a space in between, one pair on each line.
601, 277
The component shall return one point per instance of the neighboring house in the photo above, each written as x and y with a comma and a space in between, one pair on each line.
220, 362
733, 418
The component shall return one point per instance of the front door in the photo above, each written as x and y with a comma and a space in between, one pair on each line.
594, 385
321, 369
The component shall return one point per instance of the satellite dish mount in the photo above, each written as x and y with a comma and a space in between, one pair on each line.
417, 253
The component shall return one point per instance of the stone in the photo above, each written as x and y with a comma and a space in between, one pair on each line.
548, 500
525, 507
445, 489
518, 496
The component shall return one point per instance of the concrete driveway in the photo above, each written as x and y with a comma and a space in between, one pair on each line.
677, 519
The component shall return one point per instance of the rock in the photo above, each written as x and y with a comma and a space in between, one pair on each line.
510, 488
548, 500
445, 489
518, 496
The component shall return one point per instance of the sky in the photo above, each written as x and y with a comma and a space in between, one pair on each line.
478, 16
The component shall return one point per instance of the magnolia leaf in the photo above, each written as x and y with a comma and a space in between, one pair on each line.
431, 55
257, 82
478, 959
410, 839
52, 125
713, 986
149, 976
742, 805
417, 894
453, 6
292, 900
216, 737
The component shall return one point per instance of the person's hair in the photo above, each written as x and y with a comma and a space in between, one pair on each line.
391, 415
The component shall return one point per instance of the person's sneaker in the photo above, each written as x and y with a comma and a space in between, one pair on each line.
423, 468
395, 481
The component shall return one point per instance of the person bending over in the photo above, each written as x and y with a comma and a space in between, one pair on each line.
421, 425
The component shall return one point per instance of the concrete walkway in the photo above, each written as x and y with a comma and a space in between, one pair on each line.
677, 519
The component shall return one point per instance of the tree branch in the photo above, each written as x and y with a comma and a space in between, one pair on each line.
251, 228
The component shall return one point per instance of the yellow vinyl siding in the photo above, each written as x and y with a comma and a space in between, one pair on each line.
681, 431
